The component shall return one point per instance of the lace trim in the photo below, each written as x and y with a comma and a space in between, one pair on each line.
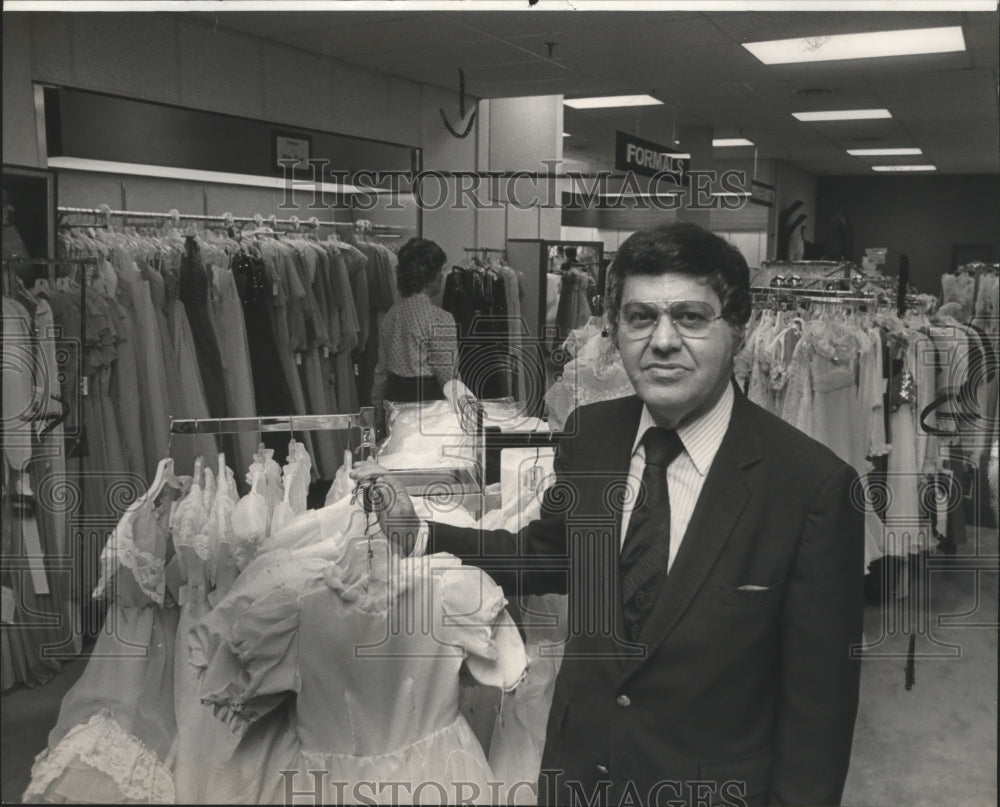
190, 520
992, 473
120, 550
102, 744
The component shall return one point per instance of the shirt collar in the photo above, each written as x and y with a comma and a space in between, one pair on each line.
701, 437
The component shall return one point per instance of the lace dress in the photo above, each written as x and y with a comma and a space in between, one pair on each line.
907, 531
250, 518
341, 657
988, 304
758, 389
116, 725
595, 373
295, 479
959, 289
203, 540
992, 473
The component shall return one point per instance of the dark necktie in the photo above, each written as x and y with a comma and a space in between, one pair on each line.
645, 554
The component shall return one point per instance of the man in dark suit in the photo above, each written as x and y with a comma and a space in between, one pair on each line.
713, 555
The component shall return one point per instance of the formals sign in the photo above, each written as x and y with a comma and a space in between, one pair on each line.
650, 159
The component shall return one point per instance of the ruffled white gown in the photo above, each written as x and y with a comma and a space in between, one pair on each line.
332, 654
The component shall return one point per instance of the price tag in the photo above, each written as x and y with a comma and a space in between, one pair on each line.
357, 370
298, 359
326, 352
274, 289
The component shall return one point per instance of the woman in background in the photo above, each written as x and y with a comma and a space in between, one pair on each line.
418, 341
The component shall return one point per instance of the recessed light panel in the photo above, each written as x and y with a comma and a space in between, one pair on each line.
900, 152
859, 46
608, 101
843, 114
893, 168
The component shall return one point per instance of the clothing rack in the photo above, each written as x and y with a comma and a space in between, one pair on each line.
52, 264
483, 252
226, 219
364, 421
786, 293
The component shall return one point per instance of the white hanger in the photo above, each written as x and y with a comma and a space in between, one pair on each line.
164, 476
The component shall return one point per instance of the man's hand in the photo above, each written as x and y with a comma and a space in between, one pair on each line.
388, 498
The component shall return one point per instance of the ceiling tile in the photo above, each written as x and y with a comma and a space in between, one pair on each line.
534, 23
394, 35
269, 25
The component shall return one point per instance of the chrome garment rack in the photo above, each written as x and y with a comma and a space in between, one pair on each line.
105, 214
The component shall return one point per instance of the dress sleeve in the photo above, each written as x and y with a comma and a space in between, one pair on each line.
473, 617
255, 665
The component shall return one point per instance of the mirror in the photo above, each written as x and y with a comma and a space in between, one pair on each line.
573, 290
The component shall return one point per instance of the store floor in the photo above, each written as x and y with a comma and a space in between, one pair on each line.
932, 745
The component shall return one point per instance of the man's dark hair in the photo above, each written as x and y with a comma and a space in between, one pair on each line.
687, 249
420, 261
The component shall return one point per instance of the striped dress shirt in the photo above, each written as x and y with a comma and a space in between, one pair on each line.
686, 474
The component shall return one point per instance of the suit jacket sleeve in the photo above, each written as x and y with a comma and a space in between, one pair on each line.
822, 620
522, 562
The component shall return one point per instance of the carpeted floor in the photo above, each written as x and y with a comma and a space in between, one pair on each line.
934, 744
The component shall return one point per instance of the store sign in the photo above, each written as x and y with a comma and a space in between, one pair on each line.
650, 159
761, 193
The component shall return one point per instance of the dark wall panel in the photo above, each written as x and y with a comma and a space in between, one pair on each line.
925, 217
103, 127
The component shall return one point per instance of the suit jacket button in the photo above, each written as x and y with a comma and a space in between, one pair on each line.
624, 701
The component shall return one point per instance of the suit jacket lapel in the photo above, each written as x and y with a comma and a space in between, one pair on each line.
722, 501
614, 454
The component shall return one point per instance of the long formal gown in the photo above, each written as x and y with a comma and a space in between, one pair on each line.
116, 725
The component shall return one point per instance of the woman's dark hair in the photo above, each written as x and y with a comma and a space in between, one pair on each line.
419, 263
687, 249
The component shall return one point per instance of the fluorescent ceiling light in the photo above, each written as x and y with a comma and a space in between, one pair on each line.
196, 175
904, 168
726, 142
640, 195
731, 193
566, 134
843, 114
605, 101
859, 46
903, 152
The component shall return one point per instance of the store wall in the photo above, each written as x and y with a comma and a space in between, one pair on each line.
925, 217
520, 134
795, 185
19, 140
173, 59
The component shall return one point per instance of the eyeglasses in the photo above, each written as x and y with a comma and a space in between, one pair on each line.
691, 318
